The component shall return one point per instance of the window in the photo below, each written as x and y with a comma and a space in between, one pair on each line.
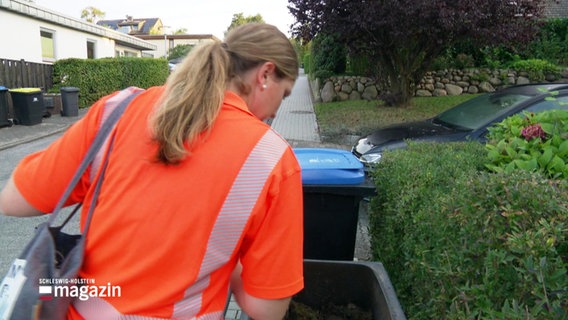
555, 103
90, 49
47, 45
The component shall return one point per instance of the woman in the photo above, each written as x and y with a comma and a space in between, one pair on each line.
199, 196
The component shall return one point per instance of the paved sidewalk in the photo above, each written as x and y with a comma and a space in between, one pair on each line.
296, 120
18, 134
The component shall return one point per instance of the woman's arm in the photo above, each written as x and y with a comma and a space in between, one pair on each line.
256, 308
12, 203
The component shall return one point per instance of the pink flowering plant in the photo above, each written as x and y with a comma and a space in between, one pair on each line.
532, 142
533, 131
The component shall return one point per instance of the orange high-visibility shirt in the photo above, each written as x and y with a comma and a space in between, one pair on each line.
169, 235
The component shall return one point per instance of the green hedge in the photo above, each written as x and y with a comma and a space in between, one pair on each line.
459, 242
96, 78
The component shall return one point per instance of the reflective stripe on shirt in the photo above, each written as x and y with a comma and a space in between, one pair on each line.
110, 105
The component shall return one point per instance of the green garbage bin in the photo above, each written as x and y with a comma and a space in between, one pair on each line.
69, 101
334, 183
5, 120
29, 108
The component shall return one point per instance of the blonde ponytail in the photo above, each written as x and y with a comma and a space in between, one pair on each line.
194, 92
191, 101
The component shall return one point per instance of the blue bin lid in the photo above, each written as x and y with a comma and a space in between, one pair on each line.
329, 166
2, 88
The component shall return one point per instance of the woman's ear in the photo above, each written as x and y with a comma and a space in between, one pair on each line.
266, 69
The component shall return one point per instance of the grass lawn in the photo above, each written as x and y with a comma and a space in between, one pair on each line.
355, 118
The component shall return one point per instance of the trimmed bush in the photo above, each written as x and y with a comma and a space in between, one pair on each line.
462, 243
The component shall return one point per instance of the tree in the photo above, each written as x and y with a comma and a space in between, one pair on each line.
180, 31
179, 52
402, 38
240, 19
92, 14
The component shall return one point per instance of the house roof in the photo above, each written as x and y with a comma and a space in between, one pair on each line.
178, 37
145, 24
556, 8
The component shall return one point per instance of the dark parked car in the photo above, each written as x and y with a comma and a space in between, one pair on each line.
466, 121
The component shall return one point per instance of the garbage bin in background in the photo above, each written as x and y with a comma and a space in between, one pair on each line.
28, 104
334, 183
69, 101
5, 120
52, 103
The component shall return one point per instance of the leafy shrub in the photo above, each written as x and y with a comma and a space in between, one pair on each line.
329, 54
537, 69
440, 63
462, 243
532, 142
496, 57
307, 62
358, 64
464, 61
552, 42
481, 76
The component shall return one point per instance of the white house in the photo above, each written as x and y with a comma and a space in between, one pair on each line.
37, 34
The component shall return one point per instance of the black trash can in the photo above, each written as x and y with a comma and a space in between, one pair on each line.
29, 107
5, 120
52, 103
334, 184
69, 101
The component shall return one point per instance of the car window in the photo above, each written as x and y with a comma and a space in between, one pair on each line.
477, 112
557, 103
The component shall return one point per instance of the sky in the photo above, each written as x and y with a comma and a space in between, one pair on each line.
197, 16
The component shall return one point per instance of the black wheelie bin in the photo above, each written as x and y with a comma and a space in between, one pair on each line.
29, 107
334, 184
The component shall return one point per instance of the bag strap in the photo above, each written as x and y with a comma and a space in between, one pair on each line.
102, 134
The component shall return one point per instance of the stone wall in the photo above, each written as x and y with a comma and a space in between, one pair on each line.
439, 83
